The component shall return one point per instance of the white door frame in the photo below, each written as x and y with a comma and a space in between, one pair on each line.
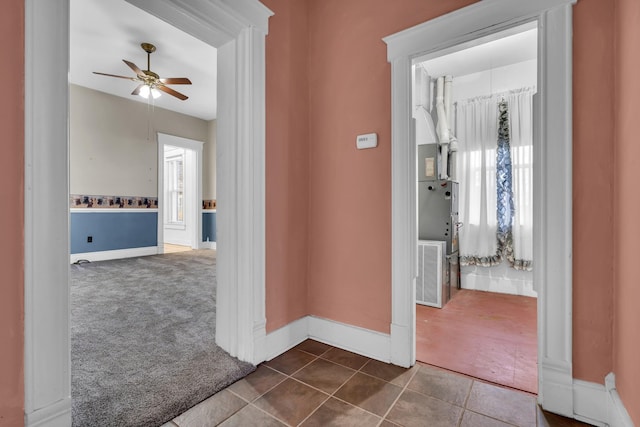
194, 198
552, 177
238, 29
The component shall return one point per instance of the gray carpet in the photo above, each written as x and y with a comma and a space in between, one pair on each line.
142, 339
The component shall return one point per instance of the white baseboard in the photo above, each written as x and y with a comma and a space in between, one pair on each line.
617, 413
556, 387
347, 337
116, 254
599, 405
365, 342
208, 245
590, 403
57, 414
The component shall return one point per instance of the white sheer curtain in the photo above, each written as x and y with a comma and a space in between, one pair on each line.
520, 104
477, 132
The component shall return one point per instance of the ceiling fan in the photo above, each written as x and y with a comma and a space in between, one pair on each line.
150, 82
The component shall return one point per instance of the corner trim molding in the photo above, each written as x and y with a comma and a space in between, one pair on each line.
552, 177
617, 413
115, 254
286, 337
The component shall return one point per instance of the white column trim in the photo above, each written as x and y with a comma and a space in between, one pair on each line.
226, 158
47, 362
552, 174
47, 342
404, 224
552, 201
238, 30
250, 234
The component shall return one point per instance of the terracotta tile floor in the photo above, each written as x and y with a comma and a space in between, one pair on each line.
315, 384
484, 335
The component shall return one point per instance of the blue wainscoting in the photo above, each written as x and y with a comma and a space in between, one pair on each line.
120, 229
209, 226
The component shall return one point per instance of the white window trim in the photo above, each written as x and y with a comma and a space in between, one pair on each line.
238, 29
552, 178
168, 223
194, 210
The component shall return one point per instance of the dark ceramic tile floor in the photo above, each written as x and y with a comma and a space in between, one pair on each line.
315, 384
484, 335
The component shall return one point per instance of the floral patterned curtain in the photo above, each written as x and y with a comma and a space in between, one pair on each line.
513, 214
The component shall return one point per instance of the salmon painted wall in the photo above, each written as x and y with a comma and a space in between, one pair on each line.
626, 337
287, 155
349, 268
349, 276
593, 140
12, 214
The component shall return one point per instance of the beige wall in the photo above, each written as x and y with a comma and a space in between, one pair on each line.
626, 293
209, 163
113, 148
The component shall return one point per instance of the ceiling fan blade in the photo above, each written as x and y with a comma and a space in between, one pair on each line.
113, 75
136, 91
176, 81
134, 67
172, 92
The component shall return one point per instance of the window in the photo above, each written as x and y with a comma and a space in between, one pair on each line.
174, 187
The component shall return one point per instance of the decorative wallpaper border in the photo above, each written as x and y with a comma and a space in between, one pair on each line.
114, 202
209, 204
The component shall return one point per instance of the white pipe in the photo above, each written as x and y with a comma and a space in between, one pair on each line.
453, 142
448, 95
442, 128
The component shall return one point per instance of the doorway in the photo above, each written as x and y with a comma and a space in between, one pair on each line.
552, 178
179, 192
241, 222
473, 109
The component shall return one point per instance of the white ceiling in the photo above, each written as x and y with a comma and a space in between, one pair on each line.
103, 33
497, 50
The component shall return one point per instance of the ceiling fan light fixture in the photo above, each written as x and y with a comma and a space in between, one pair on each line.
144, 92
149, 82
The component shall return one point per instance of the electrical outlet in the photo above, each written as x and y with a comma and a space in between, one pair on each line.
89, 239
